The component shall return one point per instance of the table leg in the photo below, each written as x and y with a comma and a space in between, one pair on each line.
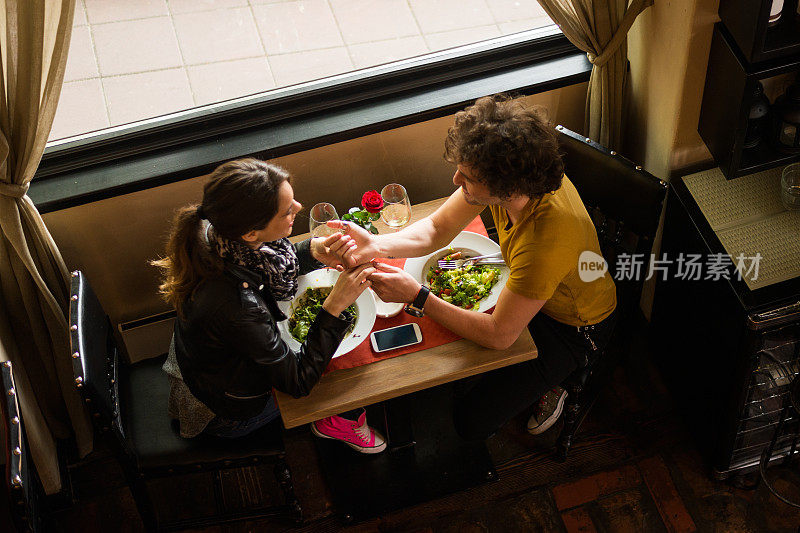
438, 463
397, 417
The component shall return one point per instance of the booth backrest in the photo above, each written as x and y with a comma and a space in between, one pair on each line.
624, 201
24, 489
95, 356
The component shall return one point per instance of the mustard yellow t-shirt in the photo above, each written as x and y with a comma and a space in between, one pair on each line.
542, 250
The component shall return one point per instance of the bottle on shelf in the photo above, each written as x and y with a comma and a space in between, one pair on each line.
758, 119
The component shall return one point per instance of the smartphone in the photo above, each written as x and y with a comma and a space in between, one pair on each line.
396, 337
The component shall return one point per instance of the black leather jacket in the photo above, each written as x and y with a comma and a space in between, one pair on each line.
229, 349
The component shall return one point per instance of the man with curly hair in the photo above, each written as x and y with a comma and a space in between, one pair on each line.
507, 158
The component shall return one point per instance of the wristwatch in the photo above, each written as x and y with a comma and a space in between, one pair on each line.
415, 307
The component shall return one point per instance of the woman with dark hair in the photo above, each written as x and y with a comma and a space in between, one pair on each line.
228, 260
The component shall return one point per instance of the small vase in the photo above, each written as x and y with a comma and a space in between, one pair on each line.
786, 120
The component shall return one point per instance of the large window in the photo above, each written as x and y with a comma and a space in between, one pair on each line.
159, 91
132, 60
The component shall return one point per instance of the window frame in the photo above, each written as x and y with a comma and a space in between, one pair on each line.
281, 121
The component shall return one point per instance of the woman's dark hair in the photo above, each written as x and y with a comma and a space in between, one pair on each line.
510, 146
239, 196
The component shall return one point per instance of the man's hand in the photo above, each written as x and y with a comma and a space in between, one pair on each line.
349, 286
365, 248
394, 284
333, 251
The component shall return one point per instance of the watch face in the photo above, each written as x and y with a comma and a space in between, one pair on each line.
413, 311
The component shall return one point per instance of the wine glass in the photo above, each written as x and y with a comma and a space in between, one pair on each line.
790, 186
317, 218
396, 210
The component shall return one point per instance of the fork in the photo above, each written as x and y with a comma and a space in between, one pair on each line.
489, 259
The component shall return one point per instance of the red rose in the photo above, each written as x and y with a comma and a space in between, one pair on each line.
372, 201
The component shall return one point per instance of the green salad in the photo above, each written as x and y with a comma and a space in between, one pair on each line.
307, 309
464, 286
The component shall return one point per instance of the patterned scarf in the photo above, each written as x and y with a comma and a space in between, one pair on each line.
276, 261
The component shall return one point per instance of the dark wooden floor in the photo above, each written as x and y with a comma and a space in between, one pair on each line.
634, 468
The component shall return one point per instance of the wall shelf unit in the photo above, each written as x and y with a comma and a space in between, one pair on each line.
730, 82
748, 23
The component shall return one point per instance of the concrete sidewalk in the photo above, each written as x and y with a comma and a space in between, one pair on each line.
136, 59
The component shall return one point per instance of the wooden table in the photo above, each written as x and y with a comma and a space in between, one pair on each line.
343, 390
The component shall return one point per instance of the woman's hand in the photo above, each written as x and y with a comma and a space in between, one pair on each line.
349, 286
332, 251
394, 284
366, 244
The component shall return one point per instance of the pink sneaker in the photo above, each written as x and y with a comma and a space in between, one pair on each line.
358, 435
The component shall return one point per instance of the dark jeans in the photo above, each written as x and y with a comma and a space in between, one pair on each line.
487, 402
231, 429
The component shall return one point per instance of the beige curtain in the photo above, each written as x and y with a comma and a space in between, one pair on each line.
600, 28
34, 281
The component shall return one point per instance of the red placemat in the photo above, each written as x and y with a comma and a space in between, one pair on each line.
432, 333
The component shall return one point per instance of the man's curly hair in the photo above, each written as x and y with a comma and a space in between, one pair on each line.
513, 150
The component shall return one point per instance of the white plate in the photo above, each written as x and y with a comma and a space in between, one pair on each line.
386, 309
466, 241
325, 277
